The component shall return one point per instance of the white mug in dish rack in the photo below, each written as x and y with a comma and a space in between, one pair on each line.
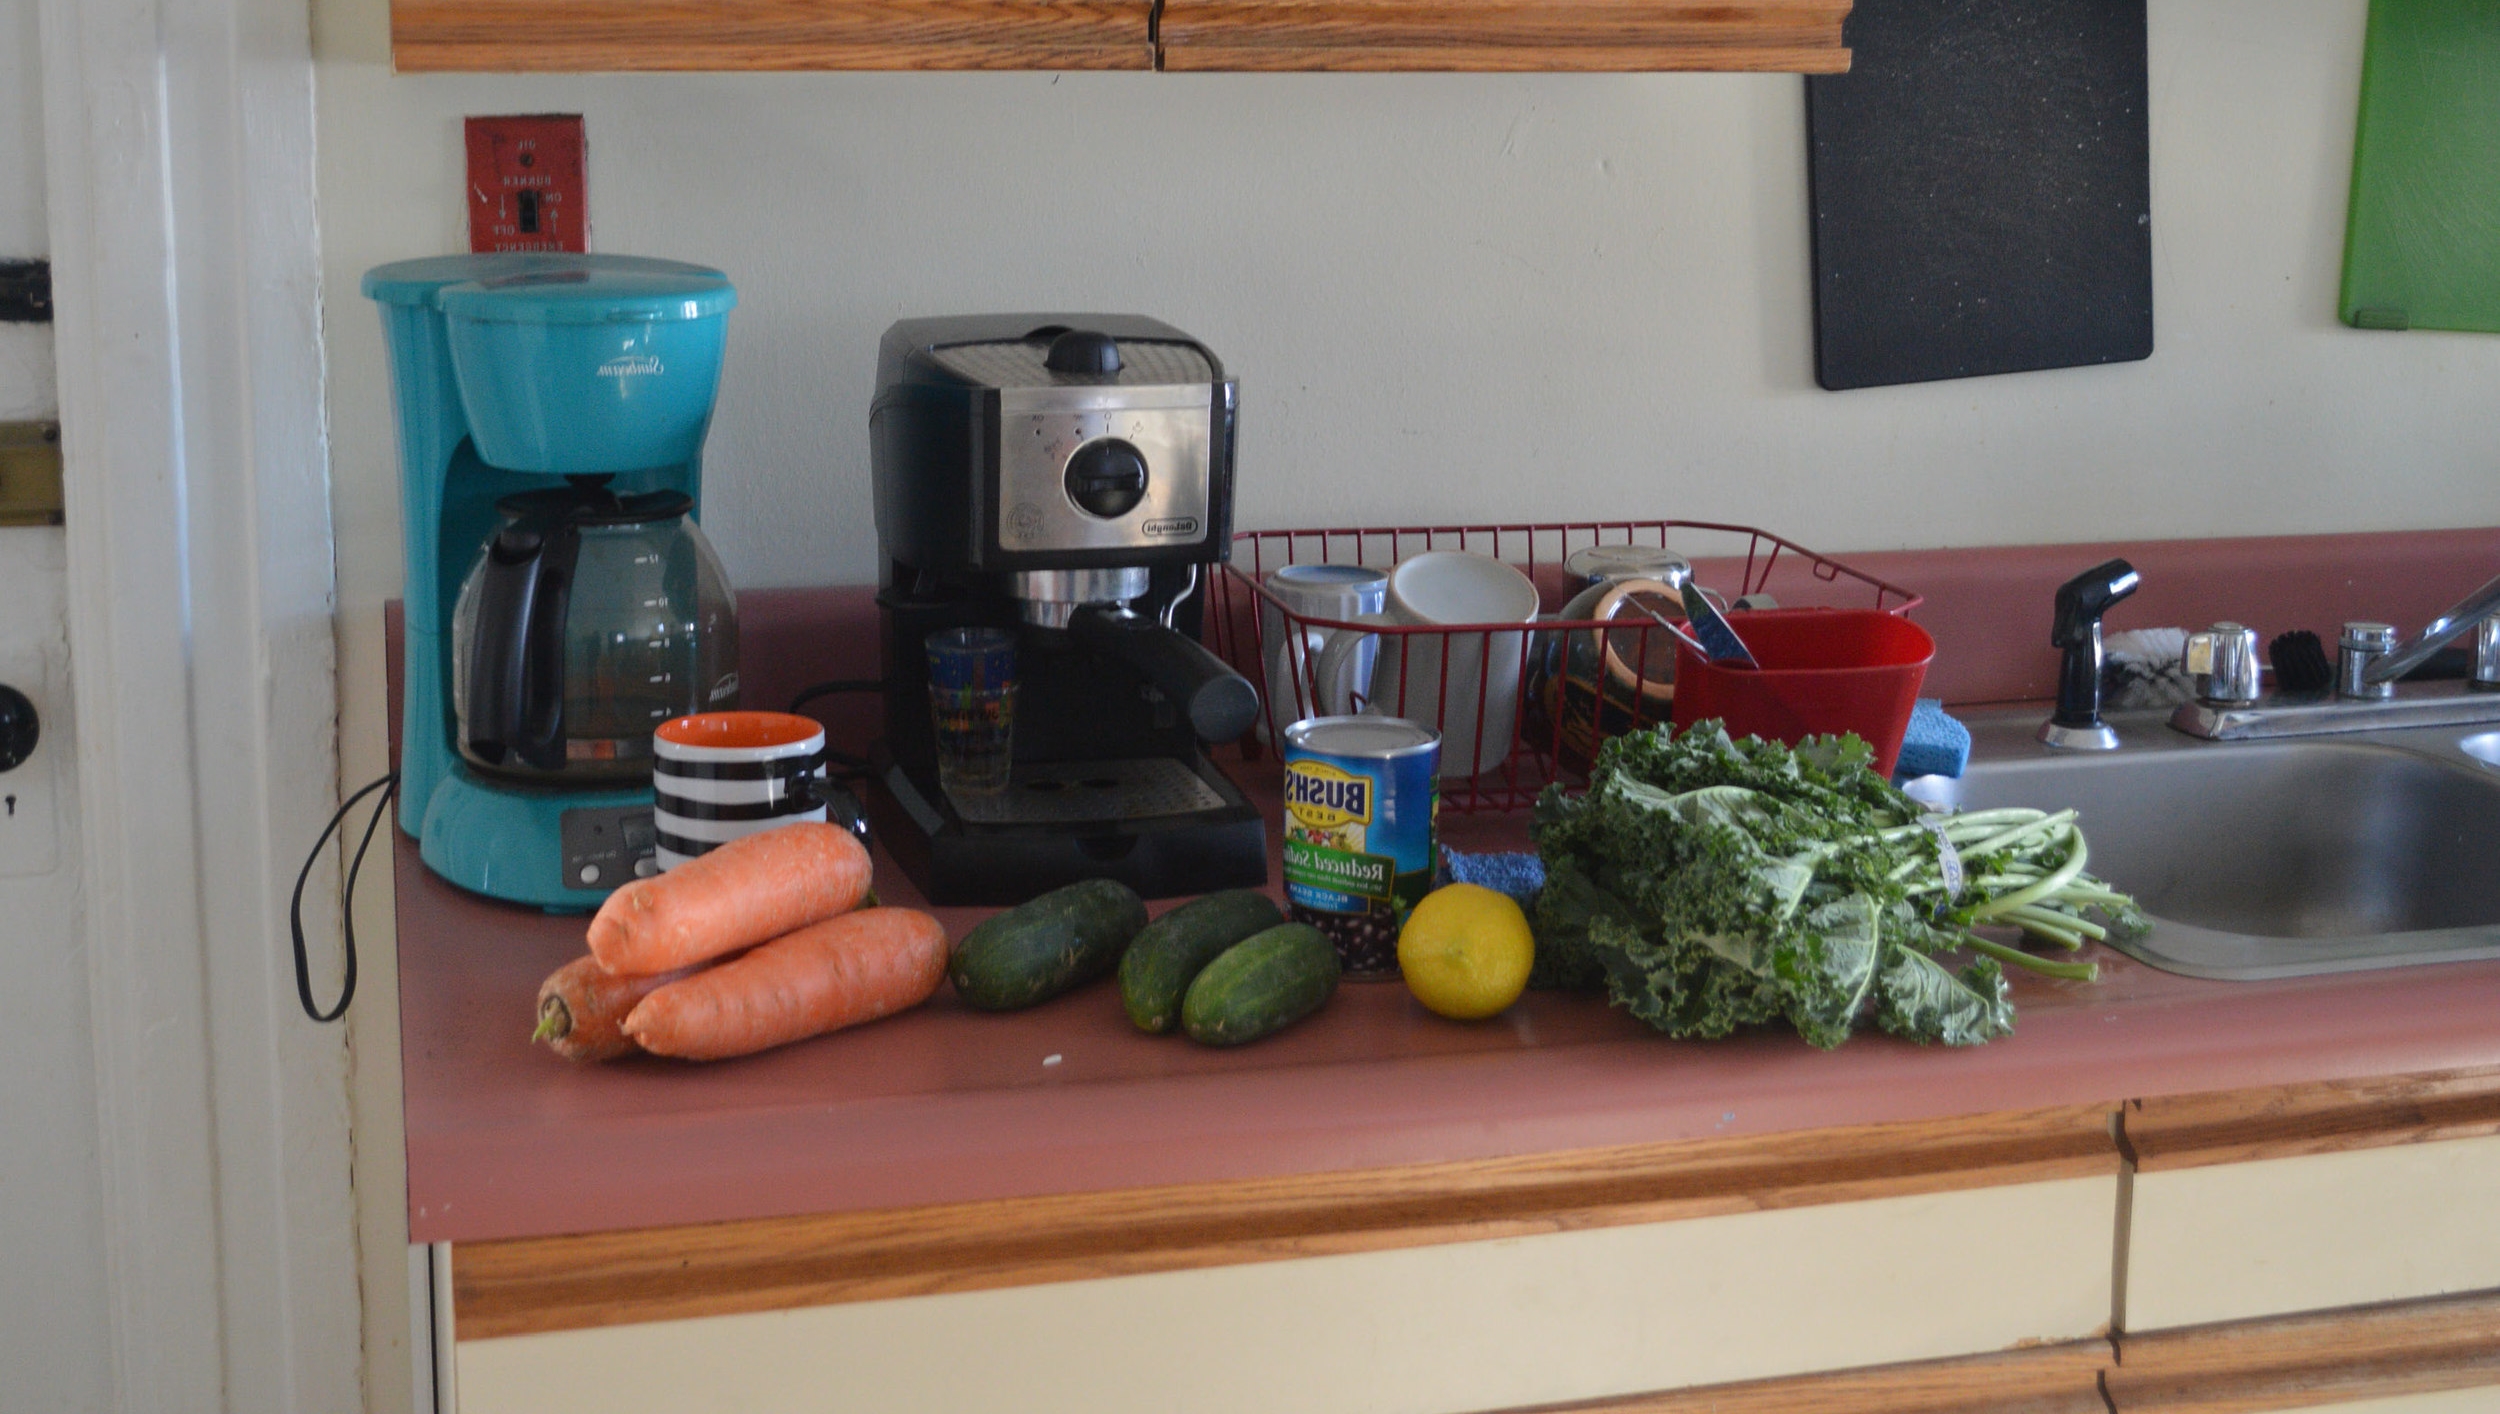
1463, 685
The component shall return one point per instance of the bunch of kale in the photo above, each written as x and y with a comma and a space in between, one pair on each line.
1709, 884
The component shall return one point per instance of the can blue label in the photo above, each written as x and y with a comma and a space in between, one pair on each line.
1360, 798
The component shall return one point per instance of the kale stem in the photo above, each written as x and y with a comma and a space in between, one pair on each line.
2064, 922
1971, 820
2031, 893
2046, 926
1959, 827
2071, 971
2003, 838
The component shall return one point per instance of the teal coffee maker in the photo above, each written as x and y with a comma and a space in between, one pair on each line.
560, 600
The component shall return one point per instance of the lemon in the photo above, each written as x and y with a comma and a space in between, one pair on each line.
1465, 951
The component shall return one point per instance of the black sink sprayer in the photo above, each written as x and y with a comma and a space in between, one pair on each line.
2076, 724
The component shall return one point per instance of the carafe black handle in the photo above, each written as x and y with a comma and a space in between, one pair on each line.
1220, 703
516, 657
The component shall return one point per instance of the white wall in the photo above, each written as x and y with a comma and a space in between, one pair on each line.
1447, 297
53, 1347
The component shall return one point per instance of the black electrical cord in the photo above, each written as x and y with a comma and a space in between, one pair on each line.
834, 685
389, 786
847, 767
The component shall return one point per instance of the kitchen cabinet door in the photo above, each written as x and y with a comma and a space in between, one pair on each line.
2450, 1401
2306, 1198
2232, 1241
1461, 1326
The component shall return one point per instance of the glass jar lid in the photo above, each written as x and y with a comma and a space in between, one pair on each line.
1592, 564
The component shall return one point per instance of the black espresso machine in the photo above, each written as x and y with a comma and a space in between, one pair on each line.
1068, 477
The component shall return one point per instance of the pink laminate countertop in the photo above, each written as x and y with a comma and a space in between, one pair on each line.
948, 1105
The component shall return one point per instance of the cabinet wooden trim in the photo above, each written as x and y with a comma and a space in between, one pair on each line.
2294, 1362
2190, 1131
515, 35
1795, 36
2240, 1367
2042, 1379
524, 1285
1799, 36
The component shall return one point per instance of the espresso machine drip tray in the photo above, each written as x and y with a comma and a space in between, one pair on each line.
1082, 792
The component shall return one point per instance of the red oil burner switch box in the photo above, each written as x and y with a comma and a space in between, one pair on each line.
525, 183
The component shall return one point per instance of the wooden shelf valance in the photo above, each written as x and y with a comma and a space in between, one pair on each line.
1788, 36
474, 36
1799, 36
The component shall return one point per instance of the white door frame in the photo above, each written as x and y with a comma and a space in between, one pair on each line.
179, 147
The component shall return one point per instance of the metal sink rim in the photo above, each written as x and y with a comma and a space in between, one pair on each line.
2004, 739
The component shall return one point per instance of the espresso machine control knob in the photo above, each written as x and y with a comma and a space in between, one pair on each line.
1107, 478
1083, 351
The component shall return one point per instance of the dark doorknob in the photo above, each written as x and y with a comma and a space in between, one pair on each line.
18, 728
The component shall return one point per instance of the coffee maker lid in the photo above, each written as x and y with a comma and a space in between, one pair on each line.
554, 287
593, 294
417, 282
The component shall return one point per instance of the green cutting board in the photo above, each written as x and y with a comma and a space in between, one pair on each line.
2422, 245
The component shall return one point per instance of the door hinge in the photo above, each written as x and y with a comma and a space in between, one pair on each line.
30, 473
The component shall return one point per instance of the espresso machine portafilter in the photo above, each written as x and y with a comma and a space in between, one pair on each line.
1067, 478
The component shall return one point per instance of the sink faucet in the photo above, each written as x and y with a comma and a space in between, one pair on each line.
2368, 663
2076, 724
2475, 611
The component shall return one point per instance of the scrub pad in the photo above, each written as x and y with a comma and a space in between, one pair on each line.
1521, 876
1934, 745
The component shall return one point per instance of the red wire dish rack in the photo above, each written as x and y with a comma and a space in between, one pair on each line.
1555, 727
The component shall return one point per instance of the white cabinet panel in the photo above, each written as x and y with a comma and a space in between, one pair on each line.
2234, 1241
1465, 1326
2449, 1401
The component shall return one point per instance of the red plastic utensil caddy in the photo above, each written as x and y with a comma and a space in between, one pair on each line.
1822, 672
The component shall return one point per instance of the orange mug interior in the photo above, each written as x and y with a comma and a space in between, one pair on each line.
739, 731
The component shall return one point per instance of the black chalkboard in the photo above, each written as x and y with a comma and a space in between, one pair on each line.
1982, 191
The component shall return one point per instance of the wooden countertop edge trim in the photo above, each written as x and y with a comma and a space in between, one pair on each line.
527, 1285
2292, 1362
2285, 1121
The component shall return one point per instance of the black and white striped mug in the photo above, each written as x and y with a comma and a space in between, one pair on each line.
717, 776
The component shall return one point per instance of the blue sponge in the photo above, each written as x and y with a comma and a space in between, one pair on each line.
1521, 876
1935, 744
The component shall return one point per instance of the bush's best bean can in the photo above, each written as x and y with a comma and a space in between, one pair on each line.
1360, 796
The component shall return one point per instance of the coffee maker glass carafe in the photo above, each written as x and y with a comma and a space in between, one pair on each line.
588, 619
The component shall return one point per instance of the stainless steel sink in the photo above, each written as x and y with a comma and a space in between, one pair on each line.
2273, 859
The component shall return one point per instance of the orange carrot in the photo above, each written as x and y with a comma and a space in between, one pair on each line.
826, 976
740, 894
582, 1007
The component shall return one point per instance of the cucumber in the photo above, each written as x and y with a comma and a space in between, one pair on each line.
1261, 985
1161, 961
1043, 947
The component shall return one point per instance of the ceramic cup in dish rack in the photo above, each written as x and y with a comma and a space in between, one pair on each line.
1463, 683
719, 775
1317, 591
